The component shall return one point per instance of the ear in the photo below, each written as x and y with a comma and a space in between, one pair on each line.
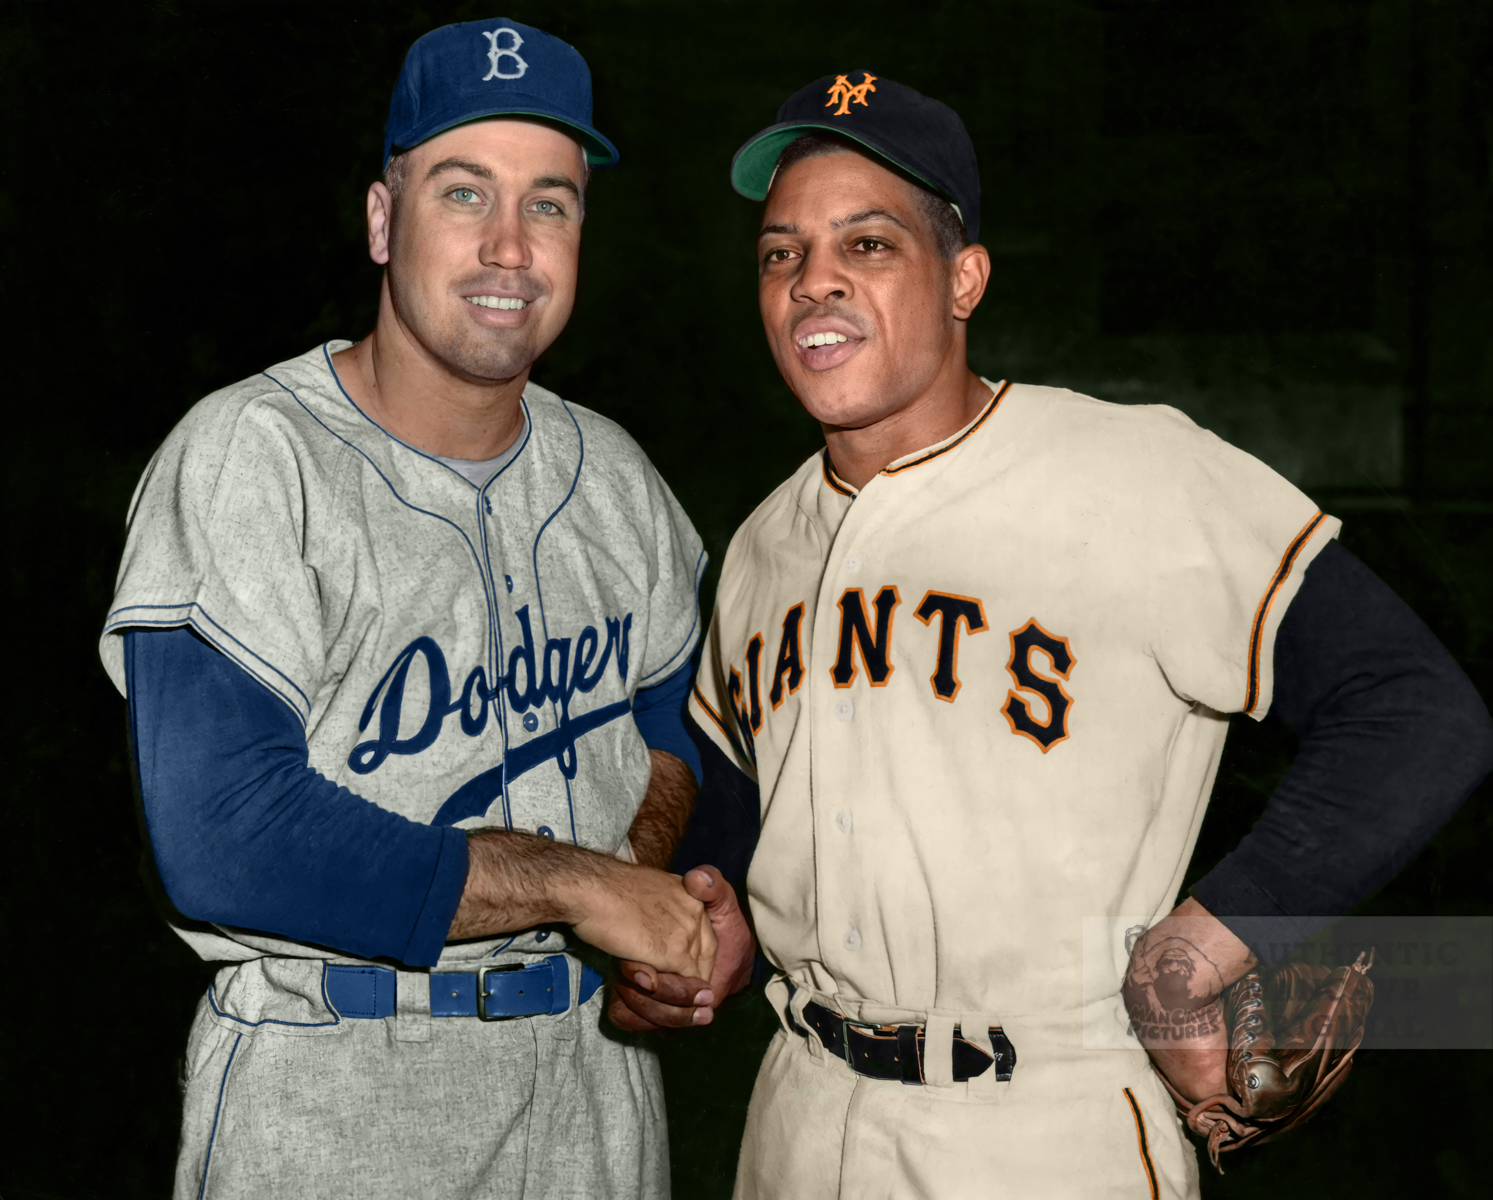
380, 219
970, 272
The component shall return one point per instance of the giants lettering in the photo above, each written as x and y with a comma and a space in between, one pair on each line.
790, 660
1043, 721
855, 631
1046, 734
950, 610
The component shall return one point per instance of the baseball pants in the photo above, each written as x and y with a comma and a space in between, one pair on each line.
816, 1131
283, 1099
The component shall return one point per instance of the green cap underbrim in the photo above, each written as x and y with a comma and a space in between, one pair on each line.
752, 168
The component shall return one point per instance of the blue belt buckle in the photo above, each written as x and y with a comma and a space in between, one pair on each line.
482, 992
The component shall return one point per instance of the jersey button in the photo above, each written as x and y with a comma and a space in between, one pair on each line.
487, 502
531, 722
845, 708
545, 831
852, 564
542, 936
508, 579
844, 822
852, 939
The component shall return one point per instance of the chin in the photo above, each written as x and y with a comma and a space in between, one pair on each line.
843, 402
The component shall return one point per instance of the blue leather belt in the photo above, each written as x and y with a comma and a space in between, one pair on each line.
496, 993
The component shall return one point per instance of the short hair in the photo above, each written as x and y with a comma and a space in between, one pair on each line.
947, 225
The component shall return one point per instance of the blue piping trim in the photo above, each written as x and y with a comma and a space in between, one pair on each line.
217, 1114
693, 625
539, 591
496, 626
189, 605
327, 354
660, 683
484, 567
393, 491
504, 946
212, 1003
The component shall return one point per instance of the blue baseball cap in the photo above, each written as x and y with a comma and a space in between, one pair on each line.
914, 133
494, 68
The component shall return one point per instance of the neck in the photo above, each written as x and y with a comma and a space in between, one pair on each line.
953, 399
420, 400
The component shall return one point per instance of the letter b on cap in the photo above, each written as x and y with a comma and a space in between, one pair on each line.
498, 53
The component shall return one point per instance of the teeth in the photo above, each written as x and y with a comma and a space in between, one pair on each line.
821, 339
505, 302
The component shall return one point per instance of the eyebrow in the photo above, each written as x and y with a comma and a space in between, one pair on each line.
868, 214
459, 164
855, 218
564, 182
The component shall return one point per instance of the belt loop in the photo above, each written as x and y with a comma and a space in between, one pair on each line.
411, 1021
975, 1029
796, 1006
779, 993
938, 1051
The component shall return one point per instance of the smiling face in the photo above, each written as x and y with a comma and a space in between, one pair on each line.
859, 306
484, 244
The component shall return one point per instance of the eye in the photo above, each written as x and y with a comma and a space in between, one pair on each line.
871, 245
464, 195
549, 208
778, 255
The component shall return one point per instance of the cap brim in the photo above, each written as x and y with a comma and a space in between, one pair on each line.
755, 162
599, 151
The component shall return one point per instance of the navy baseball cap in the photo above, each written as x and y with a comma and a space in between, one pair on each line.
917, 135
494, 68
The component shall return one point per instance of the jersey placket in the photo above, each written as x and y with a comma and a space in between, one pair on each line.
848, 949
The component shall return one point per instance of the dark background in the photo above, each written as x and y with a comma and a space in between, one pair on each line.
1273, 214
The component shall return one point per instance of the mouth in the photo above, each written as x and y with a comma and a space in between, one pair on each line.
823, 345
507, 303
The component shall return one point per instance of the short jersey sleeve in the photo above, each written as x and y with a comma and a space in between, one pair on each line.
714, 702
674, 598
215, 541
1230, 542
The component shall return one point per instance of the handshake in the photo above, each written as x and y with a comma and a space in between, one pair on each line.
682, 944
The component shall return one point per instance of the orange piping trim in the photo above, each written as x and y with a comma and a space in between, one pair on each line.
1257, 631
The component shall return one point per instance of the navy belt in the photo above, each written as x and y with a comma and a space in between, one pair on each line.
896, 1051
496, 993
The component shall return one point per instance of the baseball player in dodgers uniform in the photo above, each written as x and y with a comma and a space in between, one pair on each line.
406, 643
977, 656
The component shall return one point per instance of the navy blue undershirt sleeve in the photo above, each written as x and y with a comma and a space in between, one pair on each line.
1394, 738
659, 713
244, 832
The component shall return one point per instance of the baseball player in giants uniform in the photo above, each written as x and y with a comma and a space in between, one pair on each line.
380, 596
977, 656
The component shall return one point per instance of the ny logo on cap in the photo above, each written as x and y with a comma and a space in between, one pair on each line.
842, 93
498, 53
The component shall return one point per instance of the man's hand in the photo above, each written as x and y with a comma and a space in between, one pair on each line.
644, 998
1172, 991
516, 881
652, 919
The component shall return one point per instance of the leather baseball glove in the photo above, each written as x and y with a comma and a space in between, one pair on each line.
1292, 1033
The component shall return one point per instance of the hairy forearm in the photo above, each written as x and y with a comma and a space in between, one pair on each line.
517, 880
1173, 988
665, 810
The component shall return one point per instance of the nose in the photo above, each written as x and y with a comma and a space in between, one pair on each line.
505, 245
822, 278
